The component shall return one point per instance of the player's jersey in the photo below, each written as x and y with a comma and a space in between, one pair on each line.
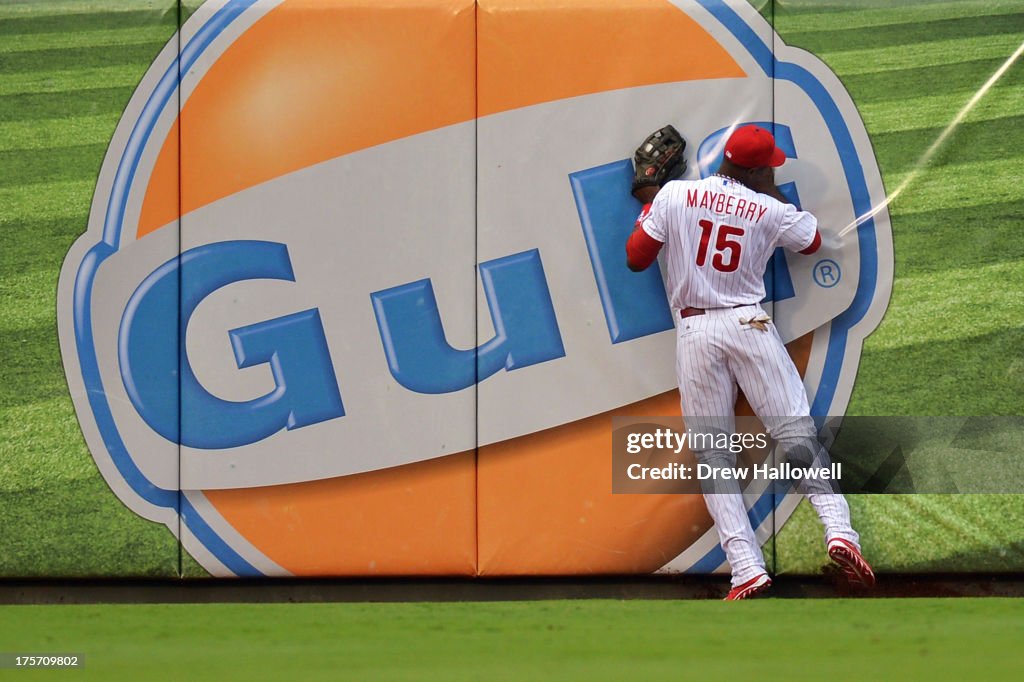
718, 236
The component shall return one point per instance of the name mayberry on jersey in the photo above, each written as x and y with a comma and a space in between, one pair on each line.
719, 236
725, 204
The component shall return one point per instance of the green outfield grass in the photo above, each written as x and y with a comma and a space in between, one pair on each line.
67, 70
894, 639
952, 341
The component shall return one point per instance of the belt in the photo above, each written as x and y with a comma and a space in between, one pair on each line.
690, 312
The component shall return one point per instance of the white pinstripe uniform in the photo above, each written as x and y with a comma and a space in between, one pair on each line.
719, 236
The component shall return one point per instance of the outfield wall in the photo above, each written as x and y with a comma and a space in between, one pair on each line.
351, 297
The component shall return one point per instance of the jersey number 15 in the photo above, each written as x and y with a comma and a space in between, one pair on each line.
725, 243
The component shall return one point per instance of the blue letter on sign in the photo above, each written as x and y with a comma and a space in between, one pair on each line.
526, 331
151, 349
634, 303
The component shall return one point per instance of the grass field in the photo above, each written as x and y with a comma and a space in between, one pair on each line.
921, 639
67, 69
951, 343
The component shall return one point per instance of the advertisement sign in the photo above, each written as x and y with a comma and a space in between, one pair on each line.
353, 298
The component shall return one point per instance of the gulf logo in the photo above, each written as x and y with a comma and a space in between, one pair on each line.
352, 298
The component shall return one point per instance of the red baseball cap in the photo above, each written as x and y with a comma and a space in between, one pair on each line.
753, 147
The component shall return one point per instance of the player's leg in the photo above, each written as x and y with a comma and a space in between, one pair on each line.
797, 439
772, 385
708, 396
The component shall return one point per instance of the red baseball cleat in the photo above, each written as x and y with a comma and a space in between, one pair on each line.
751, 588
846, 555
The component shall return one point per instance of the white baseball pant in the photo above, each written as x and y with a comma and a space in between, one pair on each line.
715, 354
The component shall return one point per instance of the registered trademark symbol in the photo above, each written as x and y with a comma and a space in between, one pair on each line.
827, 273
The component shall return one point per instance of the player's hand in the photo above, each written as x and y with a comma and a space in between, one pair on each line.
646, 194
762, 180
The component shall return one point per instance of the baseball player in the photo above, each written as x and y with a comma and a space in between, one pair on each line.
720, 233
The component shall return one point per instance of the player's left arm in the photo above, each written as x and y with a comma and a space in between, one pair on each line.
641, 248
649, 233
657, 161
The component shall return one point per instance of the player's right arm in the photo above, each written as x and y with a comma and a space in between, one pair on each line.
799, 231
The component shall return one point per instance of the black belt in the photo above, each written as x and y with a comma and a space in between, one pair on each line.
690, 312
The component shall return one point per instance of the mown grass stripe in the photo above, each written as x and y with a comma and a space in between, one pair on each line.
106, 55
39, 9
49, 447
77, 162
949, 239
881, 59
953, 304
27, 298
956, 186
33, 25
98, 536
72, 79
35, 247
1001, 138
918, 533
927, 110
907, 33
46, 201
32, 367
61, 105
977, 374
72, 37
21, 233
63, 132
902, 84
30, 241
821, 16
30, 265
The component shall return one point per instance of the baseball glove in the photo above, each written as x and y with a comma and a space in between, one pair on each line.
659, 159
